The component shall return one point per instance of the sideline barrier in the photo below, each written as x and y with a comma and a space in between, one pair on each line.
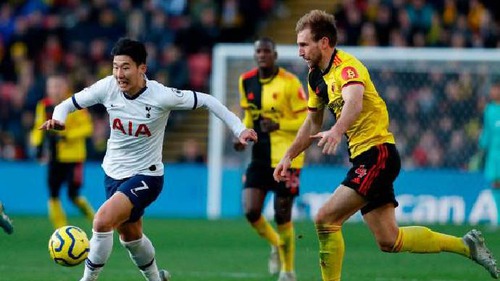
425, 196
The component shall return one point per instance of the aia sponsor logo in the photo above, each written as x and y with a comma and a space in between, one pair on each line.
131, 129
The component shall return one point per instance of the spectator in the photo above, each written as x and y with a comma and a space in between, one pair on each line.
191, 152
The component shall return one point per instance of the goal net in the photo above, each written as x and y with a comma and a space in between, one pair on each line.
434, 96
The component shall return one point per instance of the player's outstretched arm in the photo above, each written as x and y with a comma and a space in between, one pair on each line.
229, 118
303, 140
61, 111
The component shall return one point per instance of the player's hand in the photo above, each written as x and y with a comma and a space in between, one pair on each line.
238, 146
248, 135
267, 125
280, 172
52, 124
329, 140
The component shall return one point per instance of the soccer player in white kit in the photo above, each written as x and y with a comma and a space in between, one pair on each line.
138, 111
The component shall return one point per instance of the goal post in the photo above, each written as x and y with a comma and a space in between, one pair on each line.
403, 68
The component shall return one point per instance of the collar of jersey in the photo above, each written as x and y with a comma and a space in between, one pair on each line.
136, 95
269, 79
330, 63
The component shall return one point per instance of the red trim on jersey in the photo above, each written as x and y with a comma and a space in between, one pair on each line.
353, 83
46, 102
312, 109
375, 170
301, 110
337, 61
251, 73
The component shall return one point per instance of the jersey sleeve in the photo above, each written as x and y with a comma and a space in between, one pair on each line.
313, 102
95, 94
87, 97
180, 99
352, 72
223, 113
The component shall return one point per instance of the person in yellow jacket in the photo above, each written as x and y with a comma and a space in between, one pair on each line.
64, 151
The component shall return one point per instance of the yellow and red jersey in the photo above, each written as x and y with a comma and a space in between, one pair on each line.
325, 90
69, 145
280, 98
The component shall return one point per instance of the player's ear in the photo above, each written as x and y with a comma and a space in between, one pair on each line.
143, 68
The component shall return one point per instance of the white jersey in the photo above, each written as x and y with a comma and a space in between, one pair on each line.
138, 123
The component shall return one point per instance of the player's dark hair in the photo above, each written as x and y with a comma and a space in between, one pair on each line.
128, 47
321, 24
267, 40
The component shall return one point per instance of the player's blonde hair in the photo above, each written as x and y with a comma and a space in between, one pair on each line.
321, 24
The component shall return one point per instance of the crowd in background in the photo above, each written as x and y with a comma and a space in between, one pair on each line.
431, 119
419, 23
39, 38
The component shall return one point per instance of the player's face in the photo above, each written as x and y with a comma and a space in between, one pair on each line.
309, 49
264, 55
57, 89
128, 75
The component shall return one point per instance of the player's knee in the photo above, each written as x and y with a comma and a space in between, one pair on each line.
386, 246
102, 223
322, 216
252, 215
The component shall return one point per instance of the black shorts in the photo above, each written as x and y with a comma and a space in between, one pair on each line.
69, 173
261, 176
372, 175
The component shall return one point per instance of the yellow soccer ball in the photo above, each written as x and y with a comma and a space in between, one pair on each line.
68, 246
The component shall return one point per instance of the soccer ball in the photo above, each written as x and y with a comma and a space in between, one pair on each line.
68, 246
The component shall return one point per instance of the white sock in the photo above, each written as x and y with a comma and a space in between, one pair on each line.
101, 245
142, 254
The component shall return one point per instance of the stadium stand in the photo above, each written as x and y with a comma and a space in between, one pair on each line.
38, 38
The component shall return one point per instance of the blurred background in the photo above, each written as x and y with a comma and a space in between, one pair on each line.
436, 109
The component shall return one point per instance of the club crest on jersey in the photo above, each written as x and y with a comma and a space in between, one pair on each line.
148, 111
361, 172
132, 129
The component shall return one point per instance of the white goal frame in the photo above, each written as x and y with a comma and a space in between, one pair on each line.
223, 52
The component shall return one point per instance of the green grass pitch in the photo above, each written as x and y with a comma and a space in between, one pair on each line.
229, 250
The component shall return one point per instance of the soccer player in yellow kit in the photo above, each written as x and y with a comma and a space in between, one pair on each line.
66, 151
275, 105
341, 83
